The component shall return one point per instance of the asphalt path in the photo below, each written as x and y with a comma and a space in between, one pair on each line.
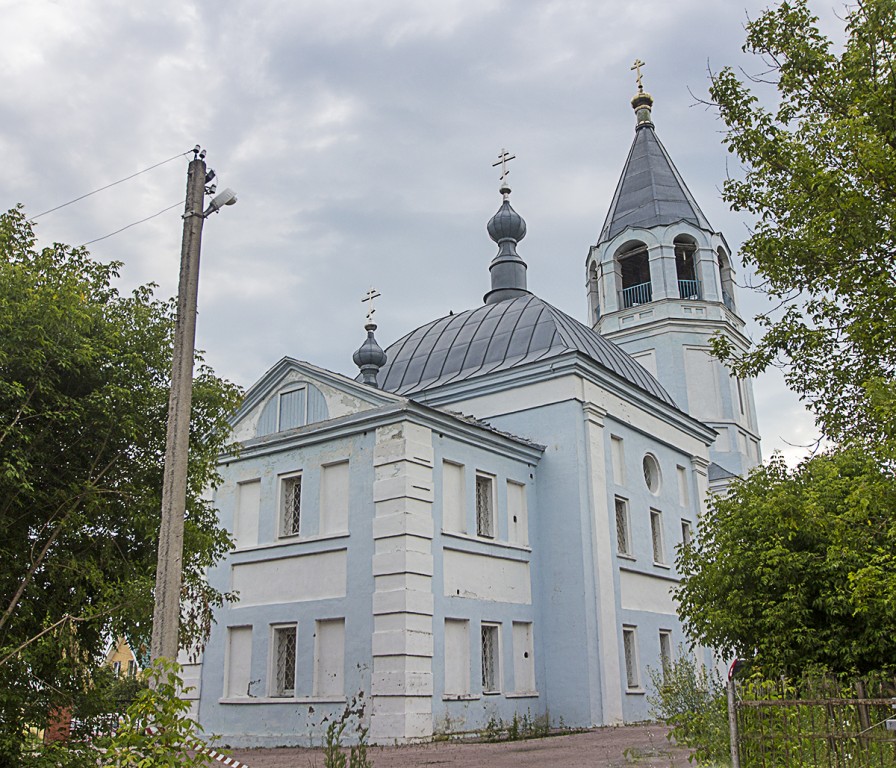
632, 745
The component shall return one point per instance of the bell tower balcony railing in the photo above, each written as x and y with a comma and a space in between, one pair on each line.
689, 289
636, 294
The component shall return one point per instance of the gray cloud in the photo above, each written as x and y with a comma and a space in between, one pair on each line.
359, 137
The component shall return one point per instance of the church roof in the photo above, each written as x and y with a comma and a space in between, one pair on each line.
651, 191
497, 337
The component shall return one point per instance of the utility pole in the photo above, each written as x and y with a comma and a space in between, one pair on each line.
166, 616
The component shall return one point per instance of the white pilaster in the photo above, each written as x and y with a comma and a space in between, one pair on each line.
401, 688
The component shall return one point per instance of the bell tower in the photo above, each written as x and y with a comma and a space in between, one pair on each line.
661, 283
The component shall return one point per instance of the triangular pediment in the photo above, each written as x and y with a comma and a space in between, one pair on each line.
294, 393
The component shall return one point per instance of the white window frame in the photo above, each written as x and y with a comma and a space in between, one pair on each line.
491, 686
657, 539
630, 654
666, 657
687, 532
491, 529
650, 461
295, 527
626, 525
277, 687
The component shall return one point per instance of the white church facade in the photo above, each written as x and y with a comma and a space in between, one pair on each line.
484, 524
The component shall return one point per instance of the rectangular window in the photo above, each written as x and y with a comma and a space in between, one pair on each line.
291, 495
238, 662
618, 453
116, 668
329, 657
457, 657
248, 505
334, 479
485, 506
686, 532
132, 668
682, 486
666, 651
623, 539
523, 657
491, 659
454, 510
656, 534
517, 513
284, 662
630, 646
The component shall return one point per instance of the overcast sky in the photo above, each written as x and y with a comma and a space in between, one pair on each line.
359, 136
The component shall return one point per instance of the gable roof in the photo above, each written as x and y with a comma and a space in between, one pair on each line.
651, 191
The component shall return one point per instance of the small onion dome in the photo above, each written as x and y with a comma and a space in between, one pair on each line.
642, 102
369, 357
506, 224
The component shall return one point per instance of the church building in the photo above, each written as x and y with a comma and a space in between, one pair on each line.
483, 524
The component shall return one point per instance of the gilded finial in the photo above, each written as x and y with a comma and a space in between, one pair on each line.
636, 67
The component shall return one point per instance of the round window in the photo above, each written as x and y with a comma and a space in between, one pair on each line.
651, 473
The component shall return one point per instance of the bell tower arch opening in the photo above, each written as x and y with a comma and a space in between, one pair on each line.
634, 274
726, 276
686, 267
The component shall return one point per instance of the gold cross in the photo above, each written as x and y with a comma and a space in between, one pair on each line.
370, 296
503, 159
636, 67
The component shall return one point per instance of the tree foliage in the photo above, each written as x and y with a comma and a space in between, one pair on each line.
795, 568
816, 135
84, 375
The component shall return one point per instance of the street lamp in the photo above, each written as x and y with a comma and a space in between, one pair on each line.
166, 615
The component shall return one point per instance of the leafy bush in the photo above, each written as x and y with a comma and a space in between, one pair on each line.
692, 701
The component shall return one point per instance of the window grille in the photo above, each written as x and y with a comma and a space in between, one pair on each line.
490, 659
656, 532
285, 661
630, 646
623, 542
485, 513
292, 504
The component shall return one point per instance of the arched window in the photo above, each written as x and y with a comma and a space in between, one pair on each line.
686, 268
634, 266
727, 279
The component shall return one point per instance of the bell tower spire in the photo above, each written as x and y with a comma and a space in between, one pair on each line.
661, 284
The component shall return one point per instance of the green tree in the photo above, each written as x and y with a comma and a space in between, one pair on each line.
795, 568
84, 374
816, 136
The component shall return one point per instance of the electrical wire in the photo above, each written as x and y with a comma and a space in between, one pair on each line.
114, 183
134, 224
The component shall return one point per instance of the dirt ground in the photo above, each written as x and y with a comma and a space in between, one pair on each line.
632, 745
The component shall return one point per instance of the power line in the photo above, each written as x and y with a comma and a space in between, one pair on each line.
134, 224
127, 178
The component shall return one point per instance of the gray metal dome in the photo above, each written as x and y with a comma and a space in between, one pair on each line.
496, 337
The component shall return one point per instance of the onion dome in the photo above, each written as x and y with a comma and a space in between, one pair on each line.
508, 270
369, 357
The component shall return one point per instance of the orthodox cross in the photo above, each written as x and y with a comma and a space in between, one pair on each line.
636, 67
370, 296
504, 158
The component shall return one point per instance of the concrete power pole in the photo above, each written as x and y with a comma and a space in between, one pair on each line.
166, 616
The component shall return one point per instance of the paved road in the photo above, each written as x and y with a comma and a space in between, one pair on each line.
634, 745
